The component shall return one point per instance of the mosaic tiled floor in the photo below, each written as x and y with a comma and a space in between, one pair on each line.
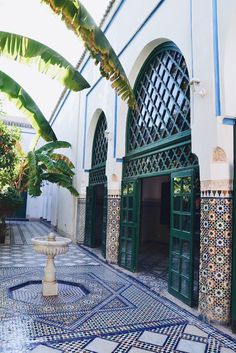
99, 310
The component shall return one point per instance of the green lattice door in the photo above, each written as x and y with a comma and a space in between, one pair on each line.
90, 215
129, 226
181, 236
104, 222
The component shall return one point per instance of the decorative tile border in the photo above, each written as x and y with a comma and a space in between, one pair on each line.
215, 258
113, 228
80, 223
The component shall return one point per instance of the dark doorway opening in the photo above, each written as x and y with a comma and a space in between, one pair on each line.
155, 226
99, 202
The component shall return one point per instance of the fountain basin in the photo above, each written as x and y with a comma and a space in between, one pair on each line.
50, 246
47, 247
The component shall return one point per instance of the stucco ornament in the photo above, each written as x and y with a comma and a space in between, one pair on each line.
219, 155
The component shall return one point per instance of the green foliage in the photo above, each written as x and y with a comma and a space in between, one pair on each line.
43, 164
9, 155
25, 103
26, 173
10, 159
77, 18
29, 51
10, 200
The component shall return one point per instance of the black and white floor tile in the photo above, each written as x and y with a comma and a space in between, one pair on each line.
98, 310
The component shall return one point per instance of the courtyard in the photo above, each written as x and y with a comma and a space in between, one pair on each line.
99, 308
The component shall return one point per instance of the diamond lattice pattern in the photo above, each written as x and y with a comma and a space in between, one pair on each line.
100, 142
163, 98
169, 159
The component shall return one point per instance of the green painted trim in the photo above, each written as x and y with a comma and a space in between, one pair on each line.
154, 150
162, 144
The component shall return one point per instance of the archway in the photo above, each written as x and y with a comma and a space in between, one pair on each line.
96, 193
159, 162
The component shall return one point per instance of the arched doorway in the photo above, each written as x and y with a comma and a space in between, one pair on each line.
160, 188
96, 193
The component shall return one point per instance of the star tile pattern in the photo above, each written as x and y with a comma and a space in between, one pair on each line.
216, 258
115, 314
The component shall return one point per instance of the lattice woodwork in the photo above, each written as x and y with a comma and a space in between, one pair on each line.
169, 159
99, 155
163, 97
97, 177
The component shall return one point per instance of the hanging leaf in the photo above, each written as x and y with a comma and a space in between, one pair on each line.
59, 157
77, 18
29, 51
25, 103
62, 180
53, 146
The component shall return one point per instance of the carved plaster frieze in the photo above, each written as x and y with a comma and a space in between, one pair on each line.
223, 184
216, 188
114, 193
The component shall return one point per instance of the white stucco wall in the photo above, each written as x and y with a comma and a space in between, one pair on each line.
63, 204
134, 32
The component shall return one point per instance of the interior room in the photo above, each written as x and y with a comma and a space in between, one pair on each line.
155, 226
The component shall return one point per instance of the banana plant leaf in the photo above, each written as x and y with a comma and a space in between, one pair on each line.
60, 157
25, 103
62, 180
29, 51
43, 164
48, 147
77, 18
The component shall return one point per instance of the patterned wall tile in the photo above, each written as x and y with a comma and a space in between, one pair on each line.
80, 224
215, 258
113, 228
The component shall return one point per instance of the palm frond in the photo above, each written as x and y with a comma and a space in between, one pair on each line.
77, 18
47, 162
15, 93
48, 61
61, 157
48, 147
62, 167
62, 180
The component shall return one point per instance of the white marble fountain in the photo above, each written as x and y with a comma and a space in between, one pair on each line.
51, 246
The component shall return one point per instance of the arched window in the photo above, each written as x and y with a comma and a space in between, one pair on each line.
163, 97
99, 155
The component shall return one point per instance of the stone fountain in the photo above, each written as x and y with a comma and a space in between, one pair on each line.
51, 246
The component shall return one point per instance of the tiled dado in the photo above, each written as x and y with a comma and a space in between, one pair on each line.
113, 228
215, 254
80, 225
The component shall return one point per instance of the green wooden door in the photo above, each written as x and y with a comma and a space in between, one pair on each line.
90, 216
104, 222
181, 236
129, 225
21, 212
